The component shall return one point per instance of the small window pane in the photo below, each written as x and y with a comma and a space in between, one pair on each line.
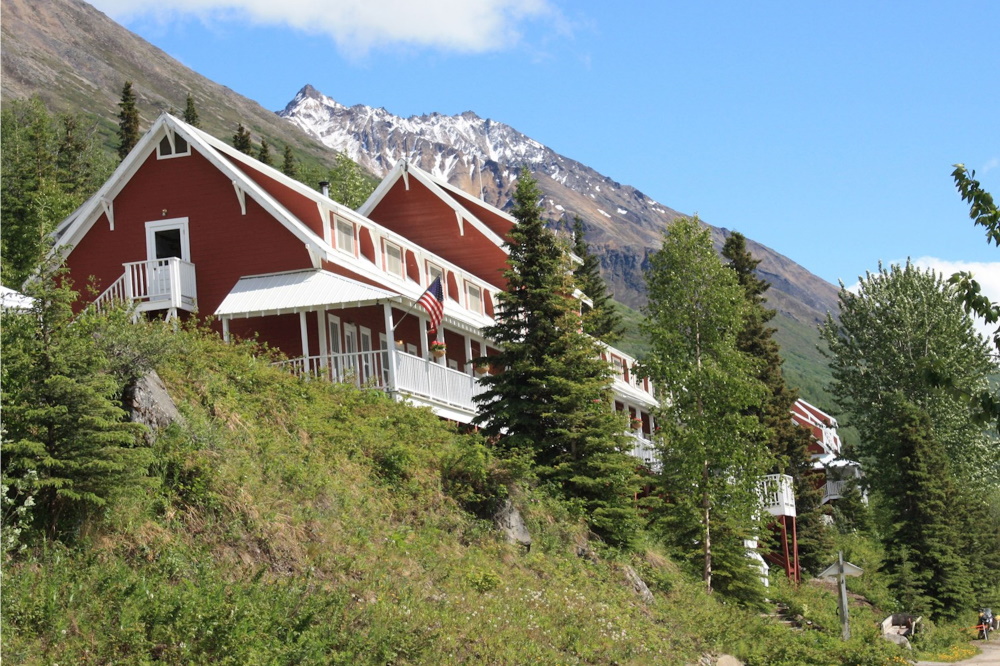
345, 236
393, 259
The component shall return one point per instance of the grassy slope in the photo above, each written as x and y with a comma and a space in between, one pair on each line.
293, 522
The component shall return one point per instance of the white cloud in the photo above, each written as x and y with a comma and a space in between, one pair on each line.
990, 165
360, 25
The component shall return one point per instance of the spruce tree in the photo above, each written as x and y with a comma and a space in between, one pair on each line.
787, 442
553, 402
242, 140
63, 427
264, 153
190, 112
712, 453
128, 121
289, 165
602, 320
924, 544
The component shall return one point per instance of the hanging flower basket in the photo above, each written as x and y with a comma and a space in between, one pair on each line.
482, 368
636, 424
438, 349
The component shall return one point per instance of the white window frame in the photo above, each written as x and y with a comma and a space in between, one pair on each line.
471, 289
166, 225
339, 235
386, 246
173, 146
431, 269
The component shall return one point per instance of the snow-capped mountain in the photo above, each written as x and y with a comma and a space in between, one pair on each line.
483, 157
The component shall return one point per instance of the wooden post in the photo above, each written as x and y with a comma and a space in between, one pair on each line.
390, 345
842, 597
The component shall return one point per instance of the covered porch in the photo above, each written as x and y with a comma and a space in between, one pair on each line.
339, 329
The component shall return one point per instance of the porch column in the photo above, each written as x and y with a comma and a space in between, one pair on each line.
324, 350
305, 338
225, 329
468, 355
422, 334
390, 345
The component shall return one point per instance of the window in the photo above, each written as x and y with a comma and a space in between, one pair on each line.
179, 149
393, 259
345, 236
434, 272
474, 297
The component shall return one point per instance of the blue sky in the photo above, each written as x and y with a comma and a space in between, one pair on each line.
824, 130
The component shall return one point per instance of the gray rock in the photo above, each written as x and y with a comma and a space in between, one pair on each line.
148, 403
638, 585
508, 519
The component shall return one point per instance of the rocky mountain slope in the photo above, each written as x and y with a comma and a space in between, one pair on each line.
77, 59
483, 156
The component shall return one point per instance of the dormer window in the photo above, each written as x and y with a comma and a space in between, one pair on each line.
474, 298
393, 259
180, 147
345, 236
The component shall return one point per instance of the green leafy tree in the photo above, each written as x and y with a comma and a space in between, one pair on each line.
348, 183
190, 112
242, 140
48, 167
713, 453
903, 327
602, 320
290, 165
128, 121
264, 153
787, 442
64, 428
552, 403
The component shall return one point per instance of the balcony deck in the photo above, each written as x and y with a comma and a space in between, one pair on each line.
160, 284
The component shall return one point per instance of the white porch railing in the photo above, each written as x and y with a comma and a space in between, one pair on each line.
644, 450
414, 375
160, 284
777, 495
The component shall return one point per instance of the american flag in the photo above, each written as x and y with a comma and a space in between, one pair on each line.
433, 301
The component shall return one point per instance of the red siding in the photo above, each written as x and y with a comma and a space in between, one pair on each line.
225, 244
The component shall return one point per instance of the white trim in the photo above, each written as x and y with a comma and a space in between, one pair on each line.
154, 226
171, 137
109, 209
332, 321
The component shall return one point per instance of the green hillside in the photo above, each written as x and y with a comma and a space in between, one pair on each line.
286, 521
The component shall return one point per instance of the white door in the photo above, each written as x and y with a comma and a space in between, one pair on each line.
165, 239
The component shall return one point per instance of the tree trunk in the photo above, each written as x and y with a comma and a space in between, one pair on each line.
706, 512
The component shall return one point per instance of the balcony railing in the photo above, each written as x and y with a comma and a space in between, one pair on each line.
160, 284
777, 495
413, 375
644, 450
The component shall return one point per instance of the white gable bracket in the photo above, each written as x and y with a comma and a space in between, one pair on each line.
406, 177
170, 139
324, 216
109, 210
461, 223
242, 196
314, 257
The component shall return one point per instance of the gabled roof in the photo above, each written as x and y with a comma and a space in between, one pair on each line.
448, 194
225, 158
297, 291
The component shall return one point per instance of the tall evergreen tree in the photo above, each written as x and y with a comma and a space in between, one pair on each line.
289, 165
602, 320
264, 153
242, 140
190, 112
48, 166
922, 531
787, 442
64, 428
552, 403
128, 121
713, 454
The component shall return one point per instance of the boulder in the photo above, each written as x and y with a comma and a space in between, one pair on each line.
508, 519
638, 585
147, 402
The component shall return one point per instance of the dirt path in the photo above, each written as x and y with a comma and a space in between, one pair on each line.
990, 655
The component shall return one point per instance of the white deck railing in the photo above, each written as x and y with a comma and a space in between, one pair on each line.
413, 375
777, 495
153, 285
644, 450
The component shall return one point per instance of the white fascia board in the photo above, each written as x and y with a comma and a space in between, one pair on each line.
74, 227
465, 195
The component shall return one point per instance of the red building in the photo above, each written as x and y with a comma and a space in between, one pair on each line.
189, 226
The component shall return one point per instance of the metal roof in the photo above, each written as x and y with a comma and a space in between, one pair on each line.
297, 291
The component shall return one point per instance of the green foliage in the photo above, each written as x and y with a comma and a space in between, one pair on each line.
289, 165
242, 141
349, 184
264, 153
128, 121
48, 166
552, 401
602, 320
64, 428
713, 454
191, 112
